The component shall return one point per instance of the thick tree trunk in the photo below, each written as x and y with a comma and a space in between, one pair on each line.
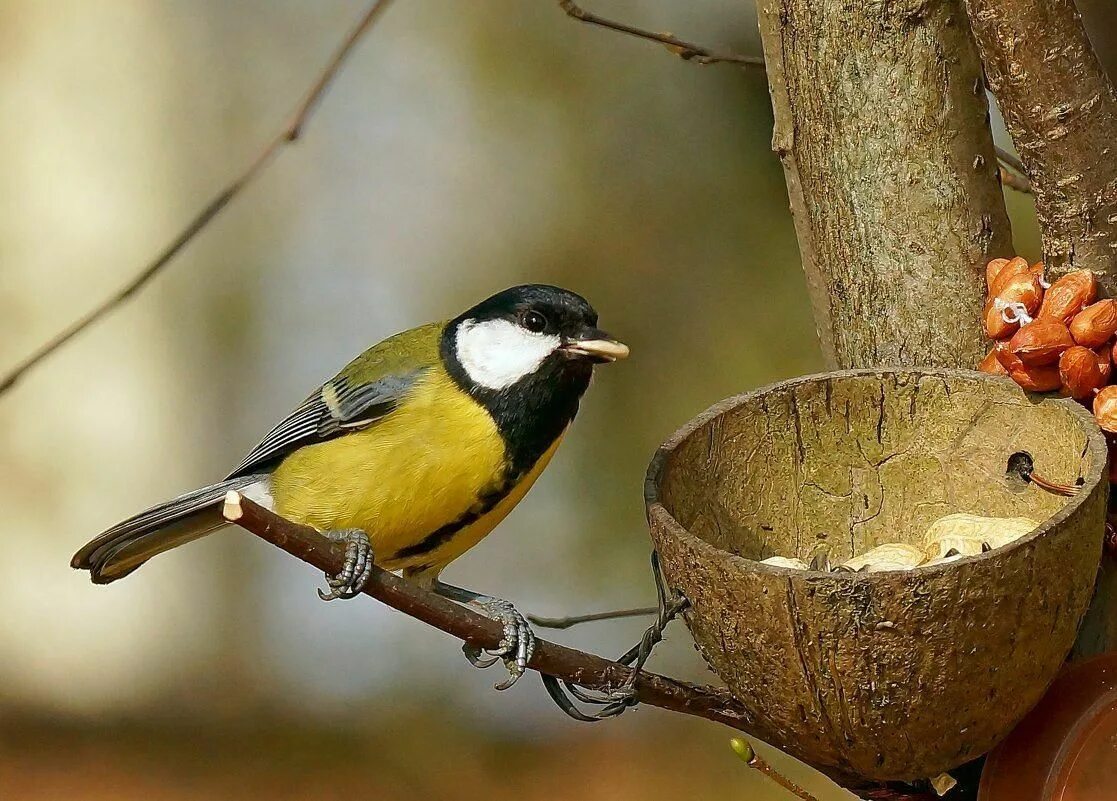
1061, 110
881, 123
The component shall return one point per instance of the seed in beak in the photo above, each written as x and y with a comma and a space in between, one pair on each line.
606, 350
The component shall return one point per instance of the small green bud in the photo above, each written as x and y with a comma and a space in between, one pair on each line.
742, 749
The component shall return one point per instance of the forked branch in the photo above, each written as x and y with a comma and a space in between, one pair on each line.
688, 51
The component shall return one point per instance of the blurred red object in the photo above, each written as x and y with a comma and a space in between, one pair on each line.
1066, 748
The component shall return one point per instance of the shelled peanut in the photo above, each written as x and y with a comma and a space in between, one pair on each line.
949, 538
1053, 337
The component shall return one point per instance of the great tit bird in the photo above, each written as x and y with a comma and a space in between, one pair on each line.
414, 452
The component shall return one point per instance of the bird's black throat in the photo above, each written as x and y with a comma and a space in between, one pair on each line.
532, 413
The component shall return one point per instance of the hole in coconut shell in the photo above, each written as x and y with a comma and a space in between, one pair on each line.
1019, 470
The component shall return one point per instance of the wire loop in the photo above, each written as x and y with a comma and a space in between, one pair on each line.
616, 702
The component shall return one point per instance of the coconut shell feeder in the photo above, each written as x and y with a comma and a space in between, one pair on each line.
895, 675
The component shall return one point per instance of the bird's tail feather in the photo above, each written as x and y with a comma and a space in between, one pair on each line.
119, 550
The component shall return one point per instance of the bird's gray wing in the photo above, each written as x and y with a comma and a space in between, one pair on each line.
338, 407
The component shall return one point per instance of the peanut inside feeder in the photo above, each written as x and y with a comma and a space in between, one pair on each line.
889, 675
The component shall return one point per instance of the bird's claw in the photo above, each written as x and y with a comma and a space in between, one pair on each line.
516, 645
357, 568
474, 655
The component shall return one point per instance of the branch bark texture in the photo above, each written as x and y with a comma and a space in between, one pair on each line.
881, 123
568, 664
1061, 110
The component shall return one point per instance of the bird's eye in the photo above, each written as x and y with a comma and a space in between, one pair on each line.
534, 321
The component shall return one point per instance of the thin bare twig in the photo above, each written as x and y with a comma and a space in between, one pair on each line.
748, 755
580, 668
1013, 181
1009, 160
1014, 177
688, 51
576, 620
291, 131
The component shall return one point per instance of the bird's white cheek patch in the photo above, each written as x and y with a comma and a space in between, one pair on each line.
497, 353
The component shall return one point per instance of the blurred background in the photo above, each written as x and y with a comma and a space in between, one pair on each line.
465, 148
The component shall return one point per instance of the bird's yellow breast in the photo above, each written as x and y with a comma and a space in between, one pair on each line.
415, 481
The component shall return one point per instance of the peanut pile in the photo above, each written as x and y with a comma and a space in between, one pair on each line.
948, 539
1052, 337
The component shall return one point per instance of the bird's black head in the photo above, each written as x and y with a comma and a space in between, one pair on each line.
527, 354
515, 334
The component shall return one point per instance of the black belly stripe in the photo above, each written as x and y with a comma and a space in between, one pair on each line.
440, 536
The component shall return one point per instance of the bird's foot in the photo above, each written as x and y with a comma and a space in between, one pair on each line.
517, 643
358, 564
516, 646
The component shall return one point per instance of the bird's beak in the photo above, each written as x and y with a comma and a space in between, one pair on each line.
596, 345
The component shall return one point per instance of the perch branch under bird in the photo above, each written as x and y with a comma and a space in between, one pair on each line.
555, 663
566, 664
290, 132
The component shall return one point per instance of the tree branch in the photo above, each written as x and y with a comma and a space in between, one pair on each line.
1012, 180
688, 51
290, 132
571, 621
585, 670
1061, 110
1009, 160
1015, 177
881, 123
748, 755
